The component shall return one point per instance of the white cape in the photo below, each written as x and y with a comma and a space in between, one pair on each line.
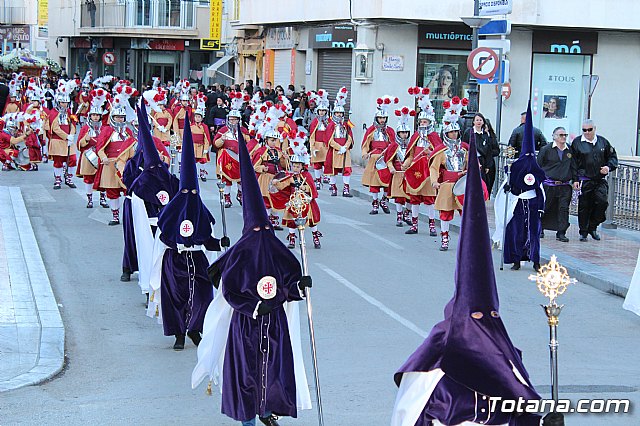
211, 350
144, 241
632, 301
498, 210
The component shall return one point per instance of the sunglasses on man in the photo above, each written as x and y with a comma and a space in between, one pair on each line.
588, 130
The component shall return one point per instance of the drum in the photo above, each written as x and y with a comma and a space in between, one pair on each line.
22, 159
276, 178
460, 186
92, 157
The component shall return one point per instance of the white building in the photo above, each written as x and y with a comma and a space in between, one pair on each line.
553, 45
145, 38
19, 26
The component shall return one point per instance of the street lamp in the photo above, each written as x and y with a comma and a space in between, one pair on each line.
474, 22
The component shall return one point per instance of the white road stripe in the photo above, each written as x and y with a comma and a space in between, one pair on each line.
375, 302
376, 236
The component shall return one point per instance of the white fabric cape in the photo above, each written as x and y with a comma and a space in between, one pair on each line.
211, 350
144, 241
632, 301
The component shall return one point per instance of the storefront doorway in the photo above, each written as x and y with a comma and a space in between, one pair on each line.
164, 71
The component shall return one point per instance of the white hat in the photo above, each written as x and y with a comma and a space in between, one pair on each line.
383, 105
424, 102
405, 113
201, 108
341, 100
298, 147
452, 113
98, 97
64, 90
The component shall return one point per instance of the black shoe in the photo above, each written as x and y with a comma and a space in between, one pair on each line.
195, 337
71, 184
516, 266
536, 267
411, 231
114, 222
562, 237
542, 234
583, 237
269, 421
277, 228
125, 277
179, 344
595, 235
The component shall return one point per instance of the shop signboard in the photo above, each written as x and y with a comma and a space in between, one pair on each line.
333, 37
445, 36
157, 44
494, 7
281, 38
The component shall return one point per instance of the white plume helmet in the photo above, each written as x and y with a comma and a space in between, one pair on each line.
424, 103
34, 120
341, 100
34, 92
152, 98
98, 97
121, 100
452, 110
268, 126
258, 116
323, 99
156, 82
185, 88
298, 147
382, 110
255, 100
86, 82
237, 100
12, 122
103, 81
64, 90
287, 105
201, 101
13, 88
404, 115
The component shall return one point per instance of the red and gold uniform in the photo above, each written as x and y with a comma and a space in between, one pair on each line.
164, 122
374, 143
179, 114
62, 127
8, 149
12, 105
319, 145
227, 165
269, 162
338, 159
83, 102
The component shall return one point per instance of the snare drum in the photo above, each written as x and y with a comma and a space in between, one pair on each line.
92, 157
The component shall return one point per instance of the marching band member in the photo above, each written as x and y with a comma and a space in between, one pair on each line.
62, 149
115, 147
13, 102
318, 135
163, 120
448, 164
417, 183
33, 130
9, 138
83, 98
299, 179
286, 125
338, 159
226, 142
270, 162
179, 111
393, 157
201, 135
87, 142
376, 139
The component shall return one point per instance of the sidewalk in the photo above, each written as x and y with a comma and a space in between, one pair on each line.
607, 265
31, 329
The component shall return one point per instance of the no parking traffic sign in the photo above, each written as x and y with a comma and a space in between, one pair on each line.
109, 58
482, 62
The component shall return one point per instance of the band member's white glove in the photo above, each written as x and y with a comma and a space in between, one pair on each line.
342, 150
162, 129
69, 140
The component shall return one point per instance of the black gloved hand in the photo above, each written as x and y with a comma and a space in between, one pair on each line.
225, 242
212, 244
553, 419
507, 188
264, 309
305, 281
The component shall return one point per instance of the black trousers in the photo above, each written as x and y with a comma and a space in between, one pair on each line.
556, 208
592, 205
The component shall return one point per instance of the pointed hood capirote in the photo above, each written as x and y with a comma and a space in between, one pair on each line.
525, 173
186, 220
259, 250
471, 344
155, 184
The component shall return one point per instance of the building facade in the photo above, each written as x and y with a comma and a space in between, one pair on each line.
23, 25
378, 47
138, 39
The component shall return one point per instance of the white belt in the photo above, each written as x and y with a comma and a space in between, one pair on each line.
182, 248
127, 196
528, 195
153, 221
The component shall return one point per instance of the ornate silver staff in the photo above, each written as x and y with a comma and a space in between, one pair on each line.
173, 140
220, 184
509, 152
552, 281
298, 203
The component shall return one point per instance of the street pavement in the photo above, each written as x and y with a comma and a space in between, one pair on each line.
377, 293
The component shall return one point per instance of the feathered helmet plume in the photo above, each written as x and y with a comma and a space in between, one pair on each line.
341, 100
405, 113
382, 110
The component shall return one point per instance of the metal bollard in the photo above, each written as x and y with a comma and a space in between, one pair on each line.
609, 223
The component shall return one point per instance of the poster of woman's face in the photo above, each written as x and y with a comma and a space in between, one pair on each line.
554, 106
442, 81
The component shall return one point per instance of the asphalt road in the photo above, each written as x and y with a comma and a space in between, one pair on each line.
377, 293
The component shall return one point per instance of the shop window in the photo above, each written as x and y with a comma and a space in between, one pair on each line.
557, 92
445, 73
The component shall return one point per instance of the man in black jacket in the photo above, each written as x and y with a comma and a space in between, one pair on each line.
593, 159
555, 160
518, 133
4, 93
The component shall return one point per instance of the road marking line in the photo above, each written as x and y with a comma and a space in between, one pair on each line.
376, 236
375, 302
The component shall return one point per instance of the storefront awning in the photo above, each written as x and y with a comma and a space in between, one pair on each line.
213, 68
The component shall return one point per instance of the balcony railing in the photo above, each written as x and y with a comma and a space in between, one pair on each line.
12, 14
138, 14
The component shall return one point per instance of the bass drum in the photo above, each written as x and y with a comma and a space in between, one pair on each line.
276, 178
92, 157
22, 159
460, 186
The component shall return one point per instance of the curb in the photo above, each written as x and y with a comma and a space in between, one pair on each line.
50, 356
592, 275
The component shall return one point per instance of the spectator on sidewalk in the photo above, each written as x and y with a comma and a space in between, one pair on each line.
555, 160
518, 133
487, 147
593, 159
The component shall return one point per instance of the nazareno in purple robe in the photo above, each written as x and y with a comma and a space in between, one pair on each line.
129, 175
258, 370
470, 346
